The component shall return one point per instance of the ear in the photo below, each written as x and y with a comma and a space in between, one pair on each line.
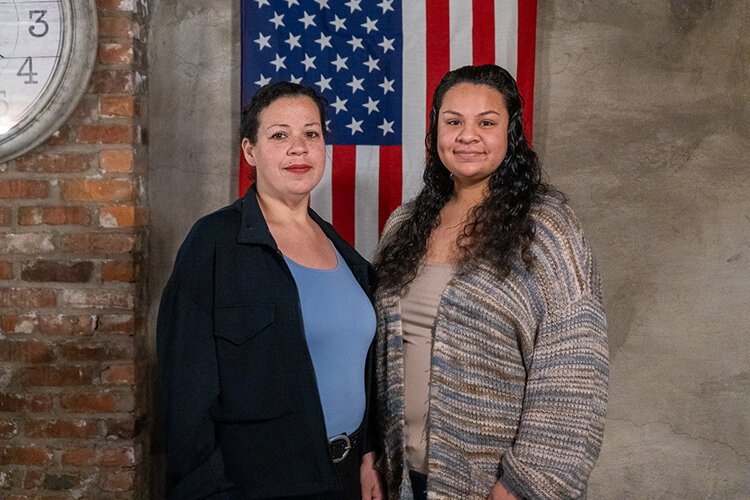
247, 151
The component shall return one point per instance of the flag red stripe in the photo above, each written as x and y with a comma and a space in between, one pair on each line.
389, 187
526, 53
343, 173
438, 47
483, 31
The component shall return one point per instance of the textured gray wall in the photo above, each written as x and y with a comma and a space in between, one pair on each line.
642, 116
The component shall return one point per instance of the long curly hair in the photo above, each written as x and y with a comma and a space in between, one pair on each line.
499, 229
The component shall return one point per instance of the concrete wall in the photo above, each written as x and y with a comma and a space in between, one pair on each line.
642, 117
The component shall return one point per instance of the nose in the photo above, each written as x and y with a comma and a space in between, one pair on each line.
298, 146
467, 134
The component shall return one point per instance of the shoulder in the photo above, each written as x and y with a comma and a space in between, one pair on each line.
397, 217
197, 249
563, 256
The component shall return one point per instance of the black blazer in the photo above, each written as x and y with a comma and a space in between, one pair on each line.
240, 404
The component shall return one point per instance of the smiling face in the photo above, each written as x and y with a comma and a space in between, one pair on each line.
289, 152
472, 132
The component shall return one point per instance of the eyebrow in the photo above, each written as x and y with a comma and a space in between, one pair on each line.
483, 113
311, 124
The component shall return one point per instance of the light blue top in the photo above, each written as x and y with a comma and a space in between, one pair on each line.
339, 323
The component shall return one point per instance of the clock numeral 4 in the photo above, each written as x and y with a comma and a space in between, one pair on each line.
35, 30
4, 106
29, 73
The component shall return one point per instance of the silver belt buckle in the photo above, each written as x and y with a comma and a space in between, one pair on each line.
345, 439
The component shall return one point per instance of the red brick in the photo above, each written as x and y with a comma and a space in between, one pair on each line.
119, 375
97, 242
119, 5
33, 243
6, 270
17, 323
115, 27
19, 188
117, 480
79, 457
61, 428
116, 323
117, 216
58, 376
118, 271
63, 272
119, 428
96, 351
25, 351
111, 82
16, 402
8, 429
79, 216
53, 162
27, 297
33, 479
25, 455
97, 189
5, 216
118, 107
106, 134
67, 325
96, 297
99, 402
103, 457
116, 53
116, 161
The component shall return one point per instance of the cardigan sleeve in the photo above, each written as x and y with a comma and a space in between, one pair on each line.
565, 402
188, 377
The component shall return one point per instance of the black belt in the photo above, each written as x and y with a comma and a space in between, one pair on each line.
340, 446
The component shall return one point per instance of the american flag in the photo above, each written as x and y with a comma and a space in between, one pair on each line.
377, 63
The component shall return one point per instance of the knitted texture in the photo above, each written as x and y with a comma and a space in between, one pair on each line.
518, 387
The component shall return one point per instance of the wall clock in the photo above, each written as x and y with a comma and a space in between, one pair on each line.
47, 52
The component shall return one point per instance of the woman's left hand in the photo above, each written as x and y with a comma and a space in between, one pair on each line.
498, 492
372, 487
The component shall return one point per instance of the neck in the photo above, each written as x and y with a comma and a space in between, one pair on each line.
469, 195
283, 211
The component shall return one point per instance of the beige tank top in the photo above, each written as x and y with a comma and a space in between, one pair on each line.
418, 311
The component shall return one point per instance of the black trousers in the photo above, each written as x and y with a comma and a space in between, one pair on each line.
418, 485
348, 473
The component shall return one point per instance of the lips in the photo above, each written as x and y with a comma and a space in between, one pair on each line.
300, 168
467, 154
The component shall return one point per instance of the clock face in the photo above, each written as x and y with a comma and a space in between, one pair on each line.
31, 42
47, 52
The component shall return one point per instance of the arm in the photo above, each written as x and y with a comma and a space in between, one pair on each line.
189, 386
562, 423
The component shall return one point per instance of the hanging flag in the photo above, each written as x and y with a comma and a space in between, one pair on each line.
377, 62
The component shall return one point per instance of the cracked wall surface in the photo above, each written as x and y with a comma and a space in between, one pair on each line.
642, 117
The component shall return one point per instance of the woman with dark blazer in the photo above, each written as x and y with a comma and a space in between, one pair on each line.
265, 331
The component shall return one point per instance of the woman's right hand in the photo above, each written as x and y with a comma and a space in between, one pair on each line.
372, 486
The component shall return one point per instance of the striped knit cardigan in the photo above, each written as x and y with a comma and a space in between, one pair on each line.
518, 388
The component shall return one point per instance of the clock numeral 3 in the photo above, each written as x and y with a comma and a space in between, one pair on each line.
4, 106
38, 20
29, 73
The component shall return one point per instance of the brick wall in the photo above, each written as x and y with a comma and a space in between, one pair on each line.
73, 372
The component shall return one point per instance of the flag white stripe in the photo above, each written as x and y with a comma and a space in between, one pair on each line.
414, 95
506, 34
321, 199
366, 200
460, 40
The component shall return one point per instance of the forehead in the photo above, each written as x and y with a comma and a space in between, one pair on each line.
289, 108
472, 96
